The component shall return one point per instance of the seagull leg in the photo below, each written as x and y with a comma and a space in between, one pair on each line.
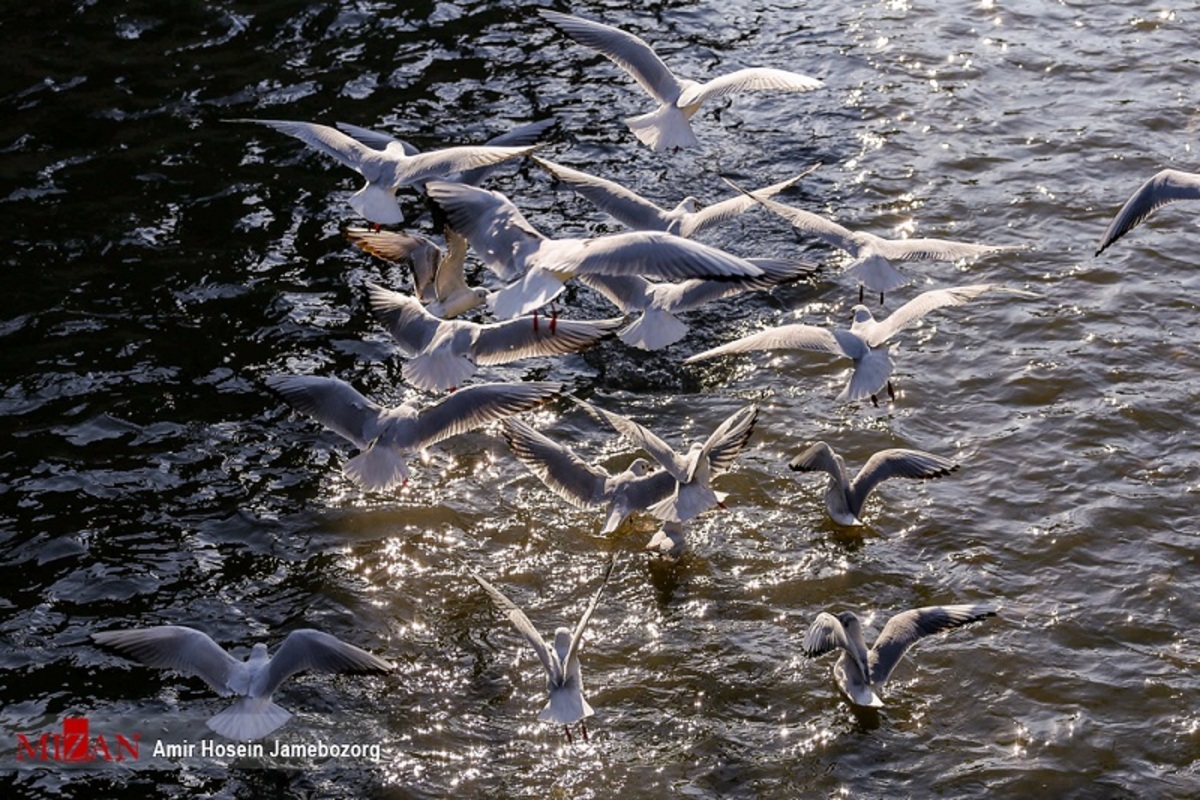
535, 325
875, 400
583, 729
891, 391
860, 293
567, 728
881, 298
553, 317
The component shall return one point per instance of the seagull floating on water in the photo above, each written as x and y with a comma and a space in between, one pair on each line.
1164, 187
694, 471
559, 658
390, 436
583, 485
438, 278
254, 680
634, 211
387, 170
679, 98
537, 267
443, 353
873, 255
865, 341
844, 498
859, 672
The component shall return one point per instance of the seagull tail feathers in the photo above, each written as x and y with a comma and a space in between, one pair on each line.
249, 718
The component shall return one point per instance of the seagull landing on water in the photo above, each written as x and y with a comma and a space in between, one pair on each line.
254, 680
865, 343
859, 672
560, 658
388, 437
679, 98
844, 498
1164, 187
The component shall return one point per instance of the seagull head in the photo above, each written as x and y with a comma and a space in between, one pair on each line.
639, 467
862, 314
258, 652
562, 643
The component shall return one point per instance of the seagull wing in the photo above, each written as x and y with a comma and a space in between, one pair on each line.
577, 634
625, 206
823, 635
334, 403
405, 318
476, 406
389, 245
728, 209
651, 254
922, 304
450, 160
1165, 187
747, 80
895, 463
906, 628
824, 229
182, 649
931, 249
502, 342
563, 472
521, 622
689, 295
497, 231
307, 650
521, 136
333, 143
820, 457
450, 278
627, 51
782, 337
725, 443
659, 450
377, 140
626, 292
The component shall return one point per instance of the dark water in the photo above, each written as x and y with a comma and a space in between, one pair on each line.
162, 262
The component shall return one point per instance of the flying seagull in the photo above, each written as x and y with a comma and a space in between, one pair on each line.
873, 255
634, 211
678, 98
693, 472
844, 497
1165, 187
387, 170
859, 672
537, 267
253, 680
390, 436
583, 485
560, 658
443, 353
438, 278
865, 343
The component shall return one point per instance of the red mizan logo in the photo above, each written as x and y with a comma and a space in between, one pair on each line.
76, 745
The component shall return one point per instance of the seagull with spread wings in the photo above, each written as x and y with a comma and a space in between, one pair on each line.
844, 497
678, 98
865, 343
1162, 188
388, 437
860, 672
560, 658
253, 680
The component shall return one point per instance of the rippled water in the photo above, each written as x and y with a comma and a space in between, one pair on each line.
163, 262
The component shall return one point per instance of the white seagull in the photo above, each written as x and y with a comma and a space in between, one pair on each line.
694, 471
390, 436
387, 170
537, 266
859, 672
438, 277
873, 255
865, 341
844, 498
1164, 187
521, 136
583, 485
254, 680
634, 211
443, 353
657, 326
678, 98
560, 658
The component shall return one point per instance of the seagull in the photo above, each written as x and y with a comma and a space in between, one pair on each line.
254, 680
537, 267
678, 98
635, 488
859, 672
444, 353
521, 136
389, 436
438, 278
667, 542
844, 498
864, 342
560, 658
630, 209
1165, 187
694, 471
388, 169
873, 255
658, 327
